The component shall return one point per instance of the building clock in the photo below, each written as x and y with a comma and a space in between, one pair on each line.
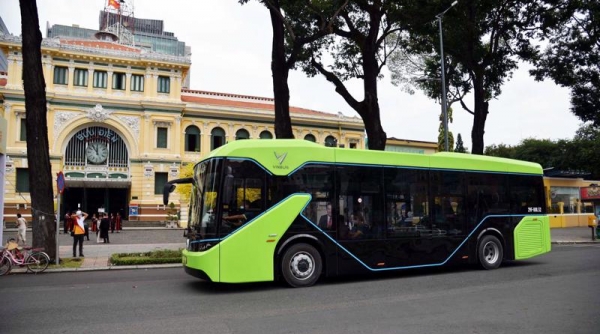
96, 152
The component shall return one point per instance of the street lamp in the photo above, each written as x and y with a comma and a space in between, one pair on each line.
444, 109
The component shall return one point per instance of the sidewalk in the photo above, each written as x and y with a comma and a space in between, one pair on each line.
149, 239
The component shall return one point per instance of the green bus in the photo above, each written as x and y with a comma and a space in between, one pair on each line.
293, 210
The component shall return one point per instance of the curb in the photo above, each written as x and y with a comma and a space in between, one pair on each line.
575, 242
103, 268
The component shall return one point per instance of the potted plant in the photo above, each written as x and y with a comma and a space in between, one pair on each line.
172, 216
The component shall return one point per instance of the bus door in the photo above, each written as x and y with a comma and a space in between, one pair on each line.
360, 220
447, 228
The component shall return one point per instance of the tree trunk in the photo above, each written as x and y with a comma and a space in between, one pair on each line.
370, 106
481, 112
40, 176
280, 70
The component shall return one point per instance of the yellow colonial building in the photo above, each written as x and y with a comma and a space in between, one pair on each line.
120, 125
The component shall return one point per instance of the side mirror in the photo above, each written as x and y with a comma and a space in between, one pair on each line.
167, 189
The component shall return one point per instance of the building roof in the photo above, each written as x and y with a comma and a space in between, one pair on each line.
247, 101
99, 44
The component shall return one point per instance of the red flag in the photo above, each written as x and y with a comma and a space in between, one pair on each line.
114, 4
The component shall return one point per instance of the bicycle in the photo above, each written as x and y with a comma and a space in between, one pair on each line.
35, 259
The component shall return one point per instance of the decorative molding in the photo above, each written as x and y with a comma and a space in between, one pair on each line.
98, 114
162, 124
7, 106
132, 123
61, 118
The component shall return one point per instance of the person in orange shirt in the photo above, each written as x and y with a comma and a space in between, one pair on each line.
78, 231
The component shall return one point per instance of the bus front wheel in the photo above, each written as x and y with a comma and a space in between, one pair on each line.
490, 252
301, 265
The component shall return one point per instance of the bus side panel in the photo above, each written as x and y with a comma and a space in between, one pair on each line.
247, 254
203, 263
532, 237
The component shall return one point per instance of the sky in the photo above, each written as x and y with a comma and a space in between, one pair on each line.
231, 47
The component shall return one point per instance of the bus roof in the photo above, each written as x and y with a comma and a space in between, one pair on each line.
282, 156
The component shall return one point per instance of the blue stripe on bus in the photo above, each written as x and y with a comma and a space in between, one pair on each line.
414, 266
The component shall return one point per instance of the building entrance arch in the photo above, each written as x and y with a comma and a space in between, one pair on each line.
96, 166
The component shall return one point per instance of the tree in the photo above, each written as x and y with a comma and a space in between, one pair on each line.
500, 150
40, 176
359, 47
442, 132
483, 41
572, 56
290, 36
460, 148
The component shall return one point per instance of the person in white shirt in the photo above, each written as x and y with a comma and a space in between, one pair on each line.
21, 228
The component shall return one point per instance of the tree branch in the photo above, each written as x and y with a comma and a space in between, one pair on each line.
464, 106
277, 10
339, 86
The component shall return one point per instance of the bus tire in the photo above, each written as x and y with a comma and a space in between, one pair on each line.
301, 265
490, 252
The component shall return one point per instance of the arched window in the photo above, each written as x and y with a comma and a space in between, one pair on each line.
266, 135
310, 137
242, 134
330, 141
217, 138
192, 139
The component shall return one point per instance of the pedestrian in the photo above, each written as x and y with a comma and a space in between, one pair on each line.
104, 226
118, 221
78, 231
96, 227
112, 223
67, 222
94, 223
21, 228
86, 227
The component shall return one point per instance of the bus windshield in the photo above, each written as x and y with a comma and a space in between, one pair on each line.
206, 176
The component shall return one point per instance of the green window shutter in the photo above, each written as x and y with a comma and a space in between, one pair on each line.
60, 75
22, 180
161, 137
192, 139
81, 77
23, 134
100, 79
137, 83
160, 179
118, 81
164, 84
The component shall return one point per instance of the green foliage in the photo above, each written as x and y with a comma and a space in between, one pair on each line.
460, 148
155, 257
500, 150
483, 41
579, 154
572, 56
185, 190
441, 132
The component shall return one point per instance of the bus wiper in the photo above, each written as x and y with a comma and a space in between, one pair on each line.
170, 186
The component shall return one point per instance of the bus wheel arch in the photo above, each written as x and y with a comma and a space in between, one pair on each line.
490, 250
300, 262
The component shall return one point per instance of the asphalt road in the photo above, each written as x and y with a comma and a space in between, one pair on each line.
555, 293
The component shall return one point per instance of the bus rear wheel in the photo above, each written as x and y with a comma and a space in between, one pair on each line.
301, 265
490, 252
